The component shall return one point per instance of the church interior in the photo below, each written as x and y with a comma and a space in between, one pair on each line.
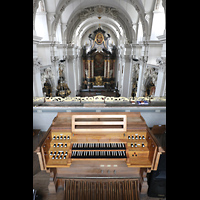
99, 96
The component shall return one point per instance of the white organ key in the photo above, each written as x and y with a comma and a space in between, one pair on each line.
73, 153
86, 145
96, 153
123, 153
79, 153
120, 153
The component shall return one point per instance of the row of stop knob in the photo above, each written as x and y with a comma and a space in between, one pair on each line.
136, 137
135, 145
61, 137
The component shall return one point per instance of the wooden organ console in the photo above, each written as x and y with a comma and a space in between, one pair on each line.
99, 155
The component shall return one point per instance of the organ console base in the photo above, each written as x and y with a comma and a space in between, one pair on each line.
99, 155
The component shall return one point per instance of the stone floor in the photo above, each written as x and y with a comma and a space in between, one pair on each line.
41, 178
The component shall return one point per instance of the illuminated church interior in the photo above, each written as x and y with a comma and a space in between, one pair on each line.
99, 83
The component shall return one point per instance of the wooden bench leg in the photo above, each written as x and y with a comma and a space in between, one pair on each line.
143, 182
52, 183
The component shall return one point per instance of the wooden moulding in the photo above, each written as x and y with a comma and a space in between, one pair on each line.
99, 123
157, 151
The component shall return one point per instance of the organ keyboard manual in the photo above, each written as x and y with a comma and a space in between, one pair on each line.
101, 155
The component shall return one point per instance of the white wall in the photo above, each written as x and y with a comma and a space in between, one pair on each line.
44, 54
154, 53
41, 26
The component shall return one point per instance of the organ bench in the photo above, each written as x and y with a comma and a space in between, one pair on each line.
99, 155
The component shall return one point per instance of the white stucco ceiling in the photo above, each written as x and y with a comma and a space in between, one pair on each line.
67, 12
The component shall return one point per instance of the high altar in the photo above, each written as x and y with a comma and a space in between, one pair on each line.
99, 66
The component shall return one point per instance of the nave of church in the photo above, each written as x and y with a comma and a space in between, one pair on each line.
110, 48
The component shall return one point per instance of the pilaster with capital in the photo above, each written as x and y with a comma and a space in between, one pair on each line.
161, 82
143, 62
37, 86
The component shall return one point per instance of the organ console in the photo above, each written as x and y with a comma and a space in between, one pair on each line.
91, 152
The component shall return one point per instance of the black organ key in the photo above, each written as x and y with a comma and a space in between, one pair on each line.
119, 145
97, 145
96, 153
73, 153
120, 153
108, 145
108, 153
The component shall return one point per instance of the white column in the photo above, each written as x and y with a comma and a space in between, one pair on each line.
75, 74
92, 68
78, 62
130, 78
140, 81
161, 82
37, 86
143, 63
105, 68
